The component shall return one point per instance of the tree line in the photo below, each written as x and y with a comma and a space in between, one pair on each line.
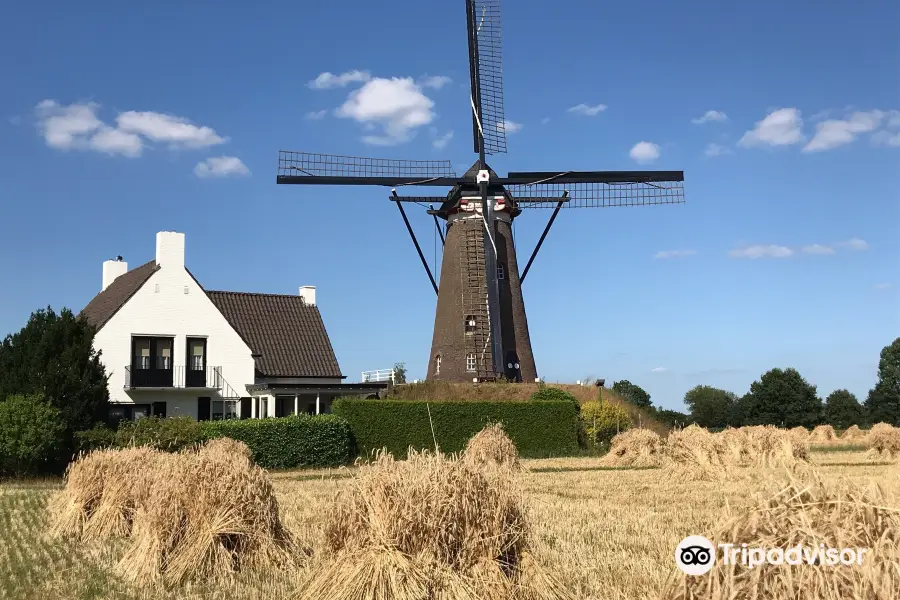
784, 398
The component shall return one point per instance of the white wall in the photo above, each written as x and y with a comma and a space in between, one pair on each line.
171, 303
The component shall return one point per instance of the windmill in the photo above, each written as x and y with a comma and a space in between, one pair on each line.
480, 327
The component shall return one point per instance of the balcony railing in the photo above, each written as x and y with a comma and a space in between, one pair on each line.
178, 377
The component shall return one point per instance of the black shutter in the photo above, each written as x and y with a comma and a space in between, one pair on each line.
246, 409
204, 406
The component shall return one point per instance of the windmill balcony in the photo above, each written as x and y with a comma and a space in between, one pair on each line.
173, 378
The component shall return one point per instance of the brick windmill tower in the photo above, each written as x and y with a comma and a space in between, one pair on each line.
480, 326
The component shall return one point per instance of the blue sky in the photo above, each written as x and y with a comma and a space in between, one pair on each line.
120, 120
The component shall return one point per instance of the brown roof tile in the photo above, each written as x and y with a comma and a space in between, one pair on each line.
289, 335
109, 301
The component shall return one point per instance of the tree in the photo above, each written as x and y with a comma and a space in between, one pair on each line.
883, 402
783, 398
842, 410
602, 420
709, 406
399, 372
632, 393
672, 418
30, 435
53, 355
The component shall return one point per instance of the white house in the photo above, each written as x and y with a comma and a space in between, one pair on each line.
173, 348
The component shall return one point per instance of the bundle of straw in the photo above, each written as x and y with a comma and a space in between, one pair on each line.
635, 448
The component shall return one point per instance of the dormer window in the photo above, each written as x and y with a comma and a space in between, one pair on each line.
470, 324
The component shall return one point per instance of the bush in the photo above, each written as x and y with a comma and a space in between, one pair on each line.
169, 435
95, 439
31, 433
602, 420
551, 394
288, 442
538, 429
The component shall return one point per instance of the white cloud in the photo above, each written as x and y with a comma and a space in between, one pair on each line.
817, 249
160, 127
397, 105
509, 126
854, 244
838, 132
443, 140
316, 115
882, 286
545, 120
674, 253
116, 141
327, 81
710, 115
821, 114
886, 138
659, 370
435, 82
781, 127
770, 251
644, 152
221, 166
65, 127
713, 149
587, 110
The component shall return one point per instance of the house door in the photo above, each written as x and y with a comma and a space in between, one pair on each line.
196, 367
246, 409
204, 409
512, 367
159, 409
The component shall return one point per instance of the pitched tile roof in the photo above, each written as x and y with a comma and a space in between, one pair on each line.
109, 301
289, 334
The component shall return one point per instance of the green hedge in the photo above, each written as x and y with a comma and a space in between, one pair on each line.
539, 429
289, 442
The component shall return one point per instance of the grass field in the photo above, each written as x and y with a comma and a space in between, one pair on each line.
605, 533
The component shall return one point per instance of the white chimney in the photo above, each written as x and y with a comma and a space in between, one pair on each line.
170, 249
111, 270
308, 293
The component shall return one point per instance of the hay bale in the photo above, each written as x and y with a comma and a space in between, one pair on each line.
806, 513
823, 434
430, 527
635, 448
102, 492
492, 447
853, 434
208, 518
884, 442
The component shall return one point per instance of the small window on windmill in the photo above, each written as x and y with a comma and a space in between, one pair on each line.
437, 364
501, 271
470, 324
470, 362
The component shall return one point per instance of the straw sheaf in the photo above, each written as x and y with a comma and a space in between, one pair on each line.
823, 433
635, 448
808, 512
430, 527
853, 433
884, 442
492, 447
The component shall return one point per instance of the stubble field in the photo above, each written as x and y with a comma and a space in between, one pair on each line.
603, 533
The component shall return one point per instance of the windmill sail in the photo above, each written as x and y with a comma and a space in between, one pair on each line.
486, 74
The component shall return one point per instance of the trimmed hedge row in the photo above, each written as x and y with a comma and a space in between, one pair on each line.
539, 429
289, 442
